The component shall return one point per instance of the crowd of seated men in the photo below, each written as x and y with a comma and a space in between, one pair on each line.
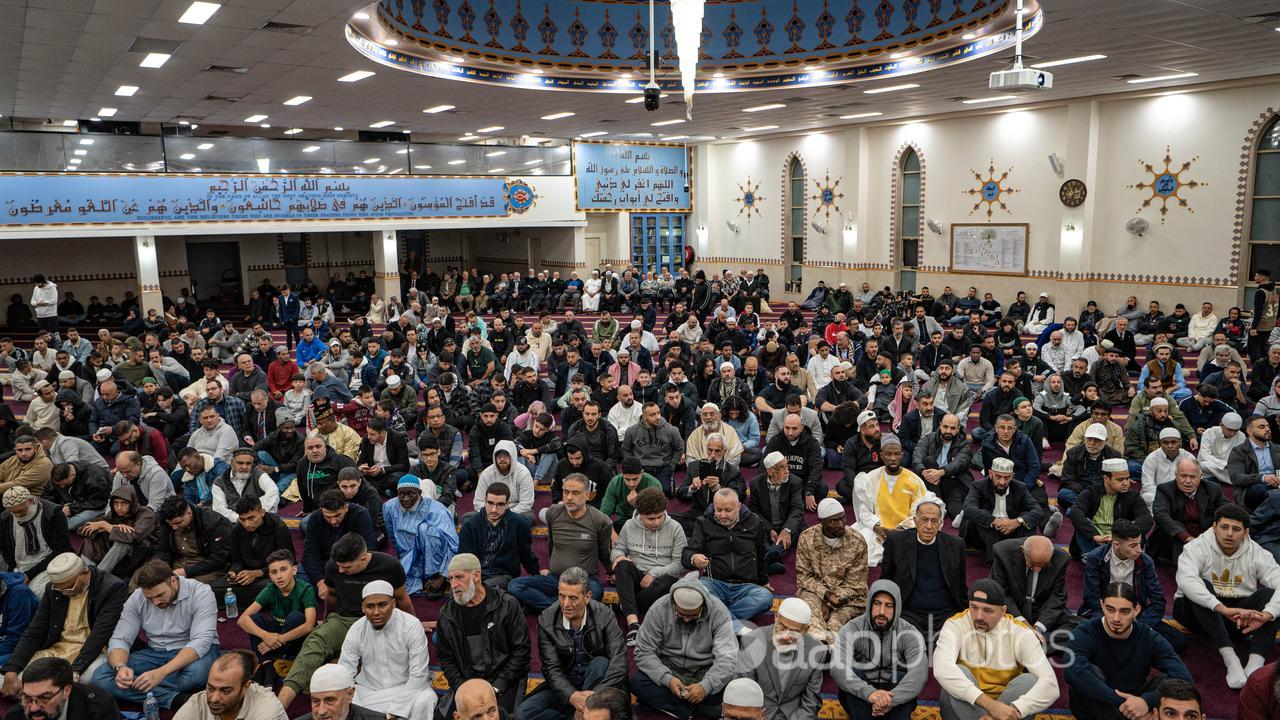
686, 456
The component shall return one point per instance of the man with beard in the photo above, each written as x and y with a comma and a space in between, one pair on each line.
990, 665
318, 470
655, 443
685, 653
804, 458
1102, 504
695, 448
578, 536
1112, 658
50, 692
928, 567
883, 497
730, 546
776, 496
997, 508
786, 662
424, 535
948, 391
599, 437
231, 692
386, 650
831, 571
515, 476
481, 633
708, 478
861, 454
1254, 466
29, 467
244, 478
879, 663
32, 532
942, 459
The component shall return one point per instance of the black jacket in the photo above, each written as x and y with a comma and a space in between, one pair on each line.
1169, 509
91, 490
1129, 506
699, 500
899, 565
790, 505
804, 458
397, 453
53, 526
981, 501
482, 440
315, 478
319, 537
502, 656
86, 703
213, 535
249, 550
601, 637
1049, 605
736, 553
1242, 463
515, 547
1079, 472
910, 431
959, 457
107, 594
603, 444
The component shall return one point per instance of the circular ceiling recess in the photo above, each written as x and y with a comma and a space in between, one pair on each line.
602, 45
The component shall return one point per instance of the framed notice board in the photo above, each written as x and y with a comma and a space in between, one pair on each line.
990, 249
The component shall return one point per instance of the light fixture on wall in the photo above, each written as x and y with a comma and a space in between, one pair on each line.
1055, 162
818, 228
934, 226
733, 226
1137, 226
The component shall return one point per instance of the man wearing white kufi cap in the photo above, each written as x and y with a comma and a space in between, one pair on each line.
332, 689
695, 447
831, 571
743, 700
1216, 445
1161, 464
387, 652
783, 660
1105, 503
883, 497
999, 507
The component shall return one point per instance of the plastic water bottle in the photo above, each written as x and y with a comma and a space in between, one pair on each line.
151, 708
233, 611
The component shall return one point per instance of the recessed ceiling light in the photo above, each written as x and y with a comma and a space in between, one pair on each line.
557, 116
126, 90
310, 148
1069, 61
402, 152
107, 112
293, 131
672, 121
855, 116
495, 153
154, 60
337, 129
205, 146
969, 36
491, 128
675, 137
640, 135
86, 141
897, 55
640, 99
356, 76
187, 156
199, 13
297, 100
469, 137
532, 162
762, 127
498, 170
70, 123
73, 161
456, 162
184, 122
1158, 78
80, 152
759, 108
371, 161
421, 167
597, 133
255, 118
264, 165
890, 88
437, 109
392, 42
382, 124
361, 16
993, 98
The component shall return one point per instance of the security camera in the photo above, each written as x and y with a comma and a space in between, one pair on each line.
686, 187
651, 93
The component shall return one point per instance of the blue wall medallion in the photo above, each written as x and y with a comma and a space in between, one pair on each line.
991, 190
1166, 184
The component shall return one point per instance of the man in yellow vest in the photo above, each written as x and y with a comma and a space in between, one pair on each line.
883, 497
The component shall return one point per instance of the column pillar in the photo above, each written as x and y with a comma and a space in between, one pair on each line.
386, 264
150, 296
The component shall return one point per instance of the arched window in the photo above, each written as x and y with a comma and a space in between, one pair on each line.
1264, 223
794, 245
909, 209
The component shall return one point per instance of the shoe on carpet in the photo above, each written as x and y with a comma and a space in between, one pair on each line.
1055, 522
632, 631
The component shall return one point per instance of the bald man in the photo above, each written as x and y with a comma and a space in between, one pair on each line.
474, 700
1034, 575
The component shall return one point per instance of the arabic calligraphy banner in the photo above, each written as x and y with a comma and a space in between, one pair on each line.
637, 176
68, 199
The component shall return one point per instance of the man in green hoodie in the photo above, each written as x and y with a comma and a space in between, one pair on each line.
880, 664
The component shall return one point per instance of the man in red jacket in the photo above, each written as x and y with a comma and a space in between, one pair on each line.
1260, 698
280, 372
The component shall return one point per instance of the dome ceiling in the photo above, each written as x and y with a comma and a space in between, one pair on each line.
601, 45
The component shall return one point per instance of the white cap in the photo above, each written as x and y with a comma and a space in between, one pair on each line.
1232, 421
1097, 431
740, 692
624, 351
1158, 402
1114, 465
331, 677
709, 406
829, 507
1170, 434
865, 417
103, 375
795, 610
773, 459
635, 324
724, 365
378, 587
1002, 465
687, 598
393, 381
1031, 346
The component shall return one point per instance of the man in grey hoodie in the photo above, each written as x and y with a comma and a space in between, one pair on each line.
686, 652
646, 557
657, 443
880, 664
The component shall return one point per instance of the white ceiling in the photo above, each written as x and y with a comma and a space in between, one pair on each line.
63, 59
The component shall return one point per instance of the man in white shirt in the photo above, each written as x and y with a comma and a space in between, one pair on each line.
44, 299
1161, 464
231, 692
387, 652
626, 412
1072, 338
1216, 445
522, 355
819, 366
1200, 329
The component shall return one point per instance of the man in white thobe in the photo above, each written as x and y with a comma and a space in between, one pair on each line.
387, 652
1217, 443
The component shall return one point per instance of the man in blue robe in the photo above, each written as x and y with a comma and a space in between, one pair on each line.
424, 536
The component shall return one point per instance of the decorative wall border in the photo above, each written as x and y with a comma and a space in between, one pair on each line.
568, 264
786, 203
1129, 277
174, 273
81, 277
740, 260
272, 266
1248, 152
894, 189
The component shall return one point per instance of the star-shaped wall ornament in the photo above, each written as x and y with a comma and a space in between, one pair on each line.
827, 196
749, 198
1166, 184
991, 190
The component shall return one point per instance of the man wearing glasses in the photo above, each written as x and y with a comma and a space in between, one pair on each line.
48, 692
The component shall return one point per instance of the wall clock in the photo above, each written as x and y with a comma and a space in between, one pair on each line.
1073, 193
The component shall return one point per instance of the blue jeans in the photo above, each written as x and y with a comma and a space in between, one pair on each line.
744, 600
189, 679
283, 479
835, 461
663, 474
1066, 498
660, 698
538, 592
1135, 468
544, 704
80, 518
539, 470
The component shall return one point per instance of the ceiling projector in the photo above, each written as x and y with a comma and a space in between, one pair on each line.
1021, 79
